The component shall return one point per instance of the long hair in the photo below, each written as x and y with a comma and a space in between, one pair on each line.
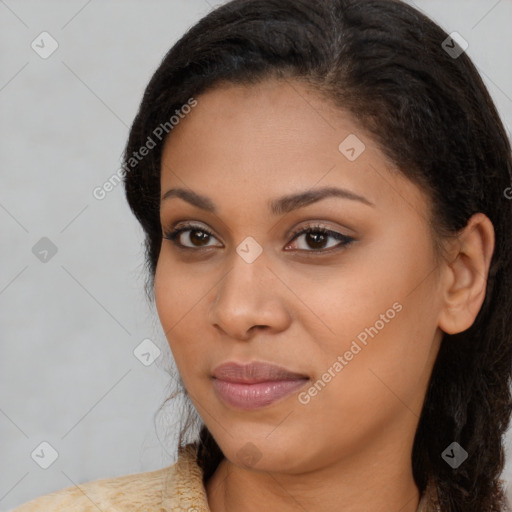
389, 66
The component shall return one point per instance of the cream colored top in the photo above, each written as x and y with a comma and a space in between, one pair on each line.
176, 488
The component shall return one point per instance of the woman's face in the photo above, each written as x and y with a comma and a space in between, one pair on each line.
356, 315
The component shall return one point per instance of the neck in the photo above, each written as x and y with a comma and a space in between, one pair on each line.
376, 482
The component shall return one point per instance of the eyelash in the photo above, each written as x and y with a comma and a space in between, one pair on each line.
344, 240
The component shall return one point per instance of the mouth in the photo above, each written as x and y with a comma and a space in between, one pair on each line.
254, 385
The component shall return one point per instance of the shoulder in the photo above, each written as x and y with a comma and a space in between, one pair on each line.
134, 492
177, 486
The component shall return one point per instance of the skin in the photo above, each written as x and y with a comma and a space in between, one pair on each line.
293, 306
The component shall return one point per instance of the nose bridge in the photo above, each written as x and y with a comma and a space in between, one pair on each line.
243, 283
246, 296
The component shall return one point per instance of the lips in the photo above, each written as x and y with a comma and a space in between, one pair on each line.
254, 385
253, 373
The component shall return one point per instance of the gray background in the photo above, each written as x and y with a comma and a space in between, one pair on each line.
69, 326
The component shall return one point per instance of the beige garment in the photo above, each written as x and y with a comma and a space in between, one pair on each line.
177, 488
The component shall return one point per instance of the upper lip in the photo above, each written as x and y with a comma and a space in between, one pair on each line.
254, 372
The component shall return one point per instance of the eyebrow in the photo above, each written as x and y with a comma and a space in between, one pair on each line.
278, 206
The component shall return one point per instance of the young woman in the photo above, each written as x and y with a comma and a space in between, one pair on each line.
323, 189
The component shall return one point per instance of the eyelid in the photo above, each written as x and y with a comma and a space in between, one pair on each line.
319, 227
175, 231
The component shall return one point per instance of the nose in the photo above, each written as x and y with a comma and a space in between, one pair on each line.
249, 298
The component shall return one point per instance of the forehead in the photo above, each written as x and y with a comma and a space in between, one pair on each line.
274, 138
274, 113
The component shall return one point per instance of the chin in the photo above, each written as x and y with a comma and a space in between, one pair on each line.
258, 453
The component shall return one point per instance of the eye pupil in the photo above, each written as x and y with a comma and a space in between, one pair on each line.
317, 238
201, 238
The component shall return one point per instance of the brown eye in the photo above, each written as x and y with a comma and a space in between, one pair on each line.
316, 240
317, 237
198, 237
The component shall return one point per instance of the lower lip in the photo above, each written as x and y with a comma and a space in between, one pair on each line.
257, 395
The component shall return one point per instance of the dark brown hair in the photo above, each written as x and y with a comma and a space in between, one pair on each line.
429, 111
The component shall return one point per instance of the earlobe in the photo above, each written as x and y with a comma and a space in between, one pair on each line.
467, 273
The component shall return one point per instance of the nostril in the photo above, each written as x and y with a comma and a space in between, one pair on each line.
263, 326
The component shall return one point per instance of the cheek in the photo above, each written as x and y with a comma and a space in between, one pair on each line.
385, 325
374, 281
380, 308
179, 300
374, 384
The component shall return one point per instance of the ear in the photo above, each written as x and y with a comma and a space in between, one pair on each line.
466, 275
